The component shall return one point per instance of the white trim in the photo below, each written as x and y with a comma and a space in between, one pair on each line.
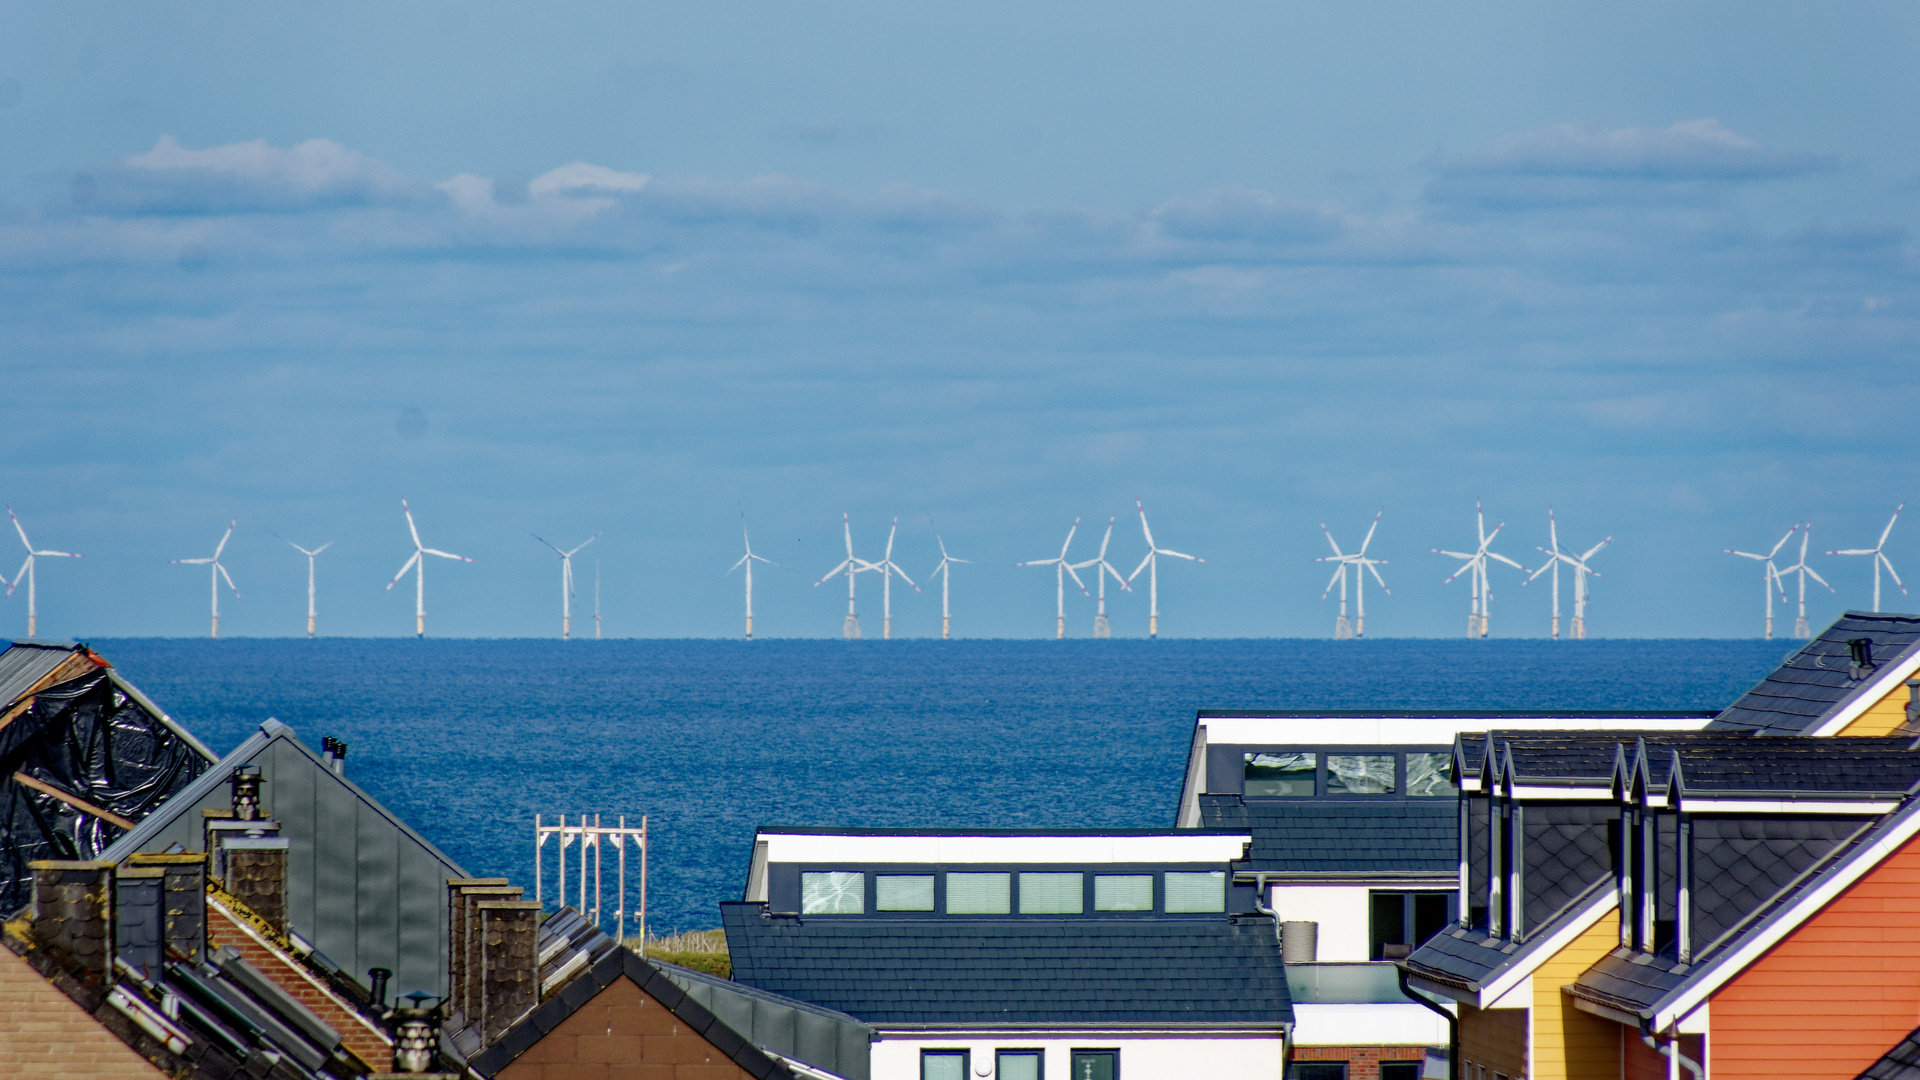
1787, 806
1543, 793
1697, 1022
1367, 1024
1782, 923
1169, 847
1865, 697
1578, 923
1188, 815
1416, 730
1519, 996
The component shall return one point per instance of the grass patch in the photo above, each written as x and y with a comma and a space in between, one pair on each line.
701, 950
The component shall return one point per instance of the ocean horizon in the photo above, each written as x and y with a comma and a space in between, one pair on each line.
467, 739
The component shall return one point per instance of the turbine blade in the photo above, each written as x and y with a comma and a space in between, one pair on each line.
1338, 575
585, 542
1888, 563
1888, 531
323, 547
227, 537
403, 571
17, 528
549, 543
833, 573
1377, 577
1595, 549
445, 554
408, 510
1180, 555
1144, 531
60, 554
1076, 580
1336, 547
1370, 528
190, 562
1815, 575
229, 579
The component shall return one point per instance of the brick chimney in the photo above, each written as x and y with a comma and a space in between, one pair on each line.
140, 917
463, 941
73, 910
509, 975
185, 899
257, 875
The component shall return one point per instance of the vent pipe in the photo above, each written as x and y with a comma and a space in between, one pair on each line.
335, 751
1860, 652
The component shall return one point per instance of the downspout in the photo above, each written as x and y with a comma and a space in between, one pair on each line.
1453, 1024
1260, 905
1671, 1051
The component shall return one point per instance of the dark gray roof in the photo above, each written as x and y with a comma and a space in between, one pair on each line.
1711, 761
1900, 1063
797, 1030
26, 663
1346, 836
1817, 680
362, 885
1470, 959
1219, 972
619, 963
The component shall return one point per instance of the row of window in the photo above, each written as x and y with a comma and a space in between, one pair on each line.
1300, 773
1337, 1070
1024, 1064
1046, 892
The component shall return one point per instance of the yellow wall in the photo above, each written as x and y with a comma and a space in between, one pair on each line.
1882, 716
1569, 1044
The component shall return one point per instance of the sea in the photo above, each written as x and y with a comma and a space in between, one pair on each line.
467, 740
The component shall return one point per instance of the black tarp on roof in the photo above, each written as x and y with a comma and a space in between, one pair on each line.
92, 738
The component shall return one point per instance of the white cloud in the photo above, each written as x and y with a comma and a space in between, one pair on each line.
1688, 150
581, 177
1230, 212
242, 177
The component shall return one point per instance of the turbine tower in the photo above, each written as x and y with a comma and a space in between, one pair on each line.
310, 557
1151, 565
1480, 612
1800, 628
1101, 627
1580, 571
596, 599
945, 570
1879, 557
850, 566
746, 560
26, 571
217, 572
566, 586
1362, 566
888, 570
1770, 576
418, 564
1061, 568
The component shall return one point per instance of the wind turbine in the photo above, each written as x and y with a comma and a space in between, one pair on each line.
888, 569
1061, 569
26, 571
1800, 627
851, 566
747, 561
945, 570
596, 599
310, 557
1578, 631
217, 572
1770, 577
1361, 567
1480, 613
566, 583
1101, 627
418, 564
1879, 557
1151, 565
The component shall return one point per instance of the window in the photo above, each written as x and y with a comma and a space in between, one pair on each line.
979, 894
1400, 1070
1052, 894
1360, 774
903, 892
1018, 1064
1123, 892
1317, 1070
943, 1065
834, 892
1096, 1065
1402, 921
1204, 890
1430, 774
1281, 774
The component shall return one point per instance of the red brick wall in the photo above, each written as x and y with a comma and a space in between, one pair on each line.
623, 1034
1363, 1062
44, 1034
1837, 993
371, 1045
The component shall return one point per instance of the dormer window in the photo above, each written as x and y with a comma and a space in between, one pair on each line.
979, 894
833, 892
903, 892
1281, 774
1052, 893
1360, 774
1429, 774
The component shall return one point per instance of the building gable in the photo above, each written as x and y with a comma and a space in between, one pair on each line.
622, 1025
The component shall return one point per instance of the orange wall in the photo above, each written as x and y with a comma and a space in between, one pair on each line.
1569, 1044
1882, 716
1837, 993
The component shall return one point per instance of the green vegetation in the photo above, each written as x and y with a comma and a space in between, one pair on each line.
701, 950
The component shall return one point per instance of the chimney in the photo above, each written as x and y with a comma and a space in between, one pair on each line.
377, 979
509, 975
336, 754
256, 875
72, 906
140, 917
1860, 653
463, 942
185, 898
246, 792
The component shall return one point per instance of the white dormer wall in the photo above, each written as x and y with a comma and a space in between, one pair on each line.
1382, 730
959, 849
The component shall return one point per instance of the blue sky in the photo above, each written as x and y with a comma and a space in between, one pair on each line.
643, 269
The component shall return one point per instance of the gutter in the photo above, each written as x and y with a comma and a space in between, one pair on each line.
1453, 1024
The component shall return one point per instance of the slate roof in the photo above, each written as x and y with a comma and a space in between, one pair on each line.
1342, 836
1900, 1063
26, 663
1716, 762
618, 963
1222, 972
1816, 681
1471, 959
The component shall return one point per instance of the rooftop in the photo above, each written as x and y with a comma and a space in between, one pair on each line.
1819, 680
